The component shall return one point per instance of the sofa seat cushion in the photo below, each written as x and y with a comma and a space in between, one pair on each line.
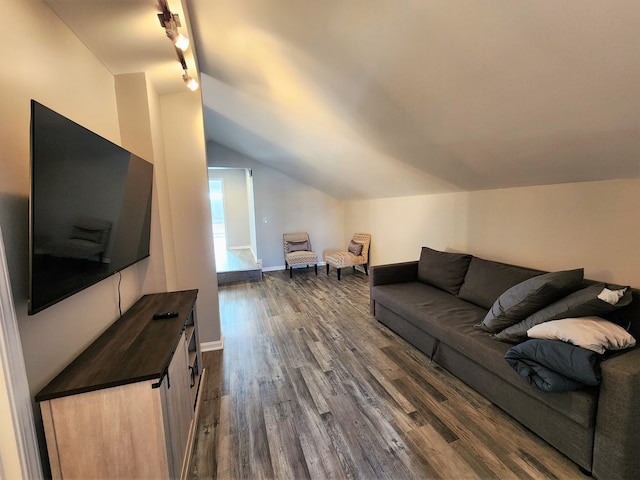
452, 321
418, 302
478, 346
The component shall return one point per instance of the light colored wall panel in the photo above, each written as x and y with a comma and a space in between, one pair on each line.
55, 68
187, 182
594, 225
400, 226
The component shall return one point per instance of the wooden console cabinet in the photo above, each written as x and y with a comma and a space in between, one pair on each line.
126, 406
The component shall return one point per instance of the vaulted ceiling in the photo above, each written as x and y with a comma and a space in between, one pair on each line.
379, 98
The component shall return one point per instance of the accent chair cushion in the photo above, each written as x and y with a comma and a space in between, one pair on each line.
444, 270
529, 296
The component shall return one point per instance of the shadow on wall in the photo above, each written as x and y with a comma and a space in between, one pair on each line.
14, 218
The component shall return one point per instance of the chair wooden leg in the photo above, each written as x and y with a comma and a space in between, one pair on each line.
365, 269
327, 269
339, 274
316, 267
291, 272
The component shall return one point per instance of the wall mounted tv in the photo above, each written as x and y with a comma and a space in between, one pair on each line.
90, 208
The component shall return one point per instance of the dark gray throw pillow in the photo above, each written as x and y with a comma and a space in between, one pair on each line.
485, 281
444, 270
582, 303
529, 296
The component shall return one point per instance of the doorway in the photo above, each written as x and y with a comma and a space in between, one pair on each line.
233, 224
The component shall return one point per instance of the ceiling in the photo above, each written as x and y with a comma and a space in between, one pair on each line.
379, 98
127, 37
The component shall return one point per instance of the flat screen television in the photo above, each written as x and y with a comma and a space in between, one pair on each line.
90, 208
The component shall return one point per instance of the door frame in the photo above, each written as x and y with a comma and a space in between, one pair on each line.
19, 452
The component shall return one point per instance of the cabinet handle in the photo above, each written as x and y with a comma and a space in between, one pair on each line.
193, 376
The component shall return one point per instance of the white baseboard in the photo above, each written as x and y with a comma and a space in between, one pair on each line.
273, 269
212, 346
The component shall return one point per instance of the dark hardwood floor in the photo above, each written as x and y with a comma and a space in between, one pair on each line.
310, 385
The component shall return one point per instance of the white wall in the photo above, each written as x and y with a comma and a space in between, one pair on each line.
42, 66
188, 192
137, 109
287, 205
594, 225
49, 64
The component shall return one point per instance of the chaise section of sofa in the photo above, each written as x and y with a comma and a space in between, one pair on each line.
583, 424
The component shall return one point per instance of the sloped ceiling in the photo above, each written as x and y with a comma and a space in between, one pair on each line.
379, 98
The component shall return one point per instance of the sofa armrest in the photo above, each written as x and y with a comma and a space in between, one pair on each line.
388, 274
617, 433
393, 273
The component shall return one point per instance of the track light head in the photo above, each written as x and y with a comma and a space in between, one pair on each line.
179, 40
192, 83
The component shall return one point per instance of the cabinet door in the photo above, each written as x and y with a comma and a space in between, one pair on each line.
113, 433
178, 408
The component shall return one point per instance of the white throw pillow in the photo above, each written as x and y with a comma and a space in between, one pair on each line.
593, 333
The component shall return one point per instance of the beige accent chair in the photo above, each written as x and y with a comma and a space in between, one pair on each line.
356, 254
298, 252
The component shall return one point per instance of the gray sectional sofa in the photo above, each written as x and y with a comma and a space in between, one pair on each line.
440, 304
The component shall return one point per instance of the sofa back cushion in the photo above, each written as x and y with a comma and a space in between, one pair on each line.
485, 281
444, 270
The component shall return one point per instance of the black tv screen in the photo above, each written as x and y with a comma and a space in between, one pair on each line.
90, 208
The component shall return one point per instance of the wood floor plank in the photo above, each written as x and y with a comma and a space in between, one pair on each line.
320, 456
444, 458
393, 392
310, 385
284, 442
314, 386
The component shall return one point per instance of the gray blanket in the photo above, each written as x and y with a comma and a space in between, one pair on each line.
554, 366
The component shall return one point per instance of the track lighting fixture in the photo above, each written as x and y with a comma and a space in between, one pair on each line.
170, 22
